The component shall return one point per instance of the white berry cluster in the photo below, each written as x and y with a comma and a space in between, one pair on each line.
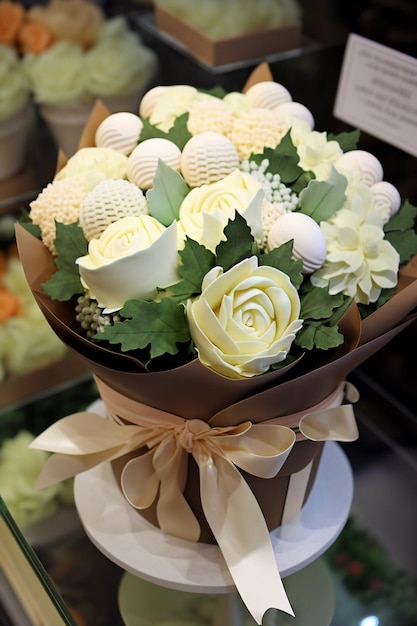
279, 199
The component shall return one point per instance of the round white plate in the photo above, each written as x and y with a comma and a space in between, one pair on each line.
140, 548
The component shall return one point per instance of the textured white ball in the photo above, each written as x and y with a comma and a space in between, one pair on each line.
119, 131
296, 110
151, 97
369, 167
207, 158
143, 162
386, 196
309, 242
267, 94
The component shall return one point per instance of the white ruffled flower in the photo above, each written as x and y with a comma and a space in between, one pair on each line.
316, 153
359, 261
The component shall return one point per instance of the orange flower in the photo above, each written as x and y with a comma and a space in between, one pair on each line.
10, 305
11, 19
35, 38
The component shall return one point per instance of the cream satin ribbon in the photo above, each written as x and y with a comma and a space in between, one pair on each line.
163, 440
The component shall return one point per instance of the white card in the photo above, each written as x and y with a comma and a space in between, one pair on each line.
377, 92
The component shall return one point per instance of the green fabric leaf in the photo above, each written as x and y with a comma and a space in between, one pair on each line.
26, 222
166, 196
178, 133
281, 258
318, 304
158, 325
302, 182
70, 244
321, 199
399, 231
238, 244
405, 242
283, 159
196, 262
217, 92
404, 219
320, 336
347, 141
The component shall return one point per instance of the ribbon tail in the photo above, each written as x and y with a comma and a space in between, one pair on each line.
241, 532
334, 424
60, 467
174, 514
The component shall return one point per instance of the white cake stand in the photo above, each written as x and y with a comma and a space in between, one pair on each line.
140, 548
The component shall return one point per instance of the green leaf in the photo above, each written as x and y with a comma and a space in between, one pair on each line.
178, 133
399, 231
320, 336
217, 92
238, 244
405, 242
347, 140
302, 182
281, 258
161, 326
283, 159
404, 219
321, 199
26, 222
318, 304
166, 196
196, 262
70, 244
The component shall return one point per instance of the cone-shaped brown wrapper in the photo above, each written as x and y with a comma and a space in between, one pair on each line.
193, 391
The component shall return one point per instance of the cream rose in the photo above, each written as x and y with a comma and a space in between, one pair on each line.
245, 319
131, 259
205, 211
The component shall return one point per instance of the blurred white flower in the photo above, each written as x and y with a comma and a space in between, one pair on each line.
316, 153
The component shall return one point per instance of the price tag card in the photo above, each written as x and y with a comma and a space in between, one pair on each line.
377, 92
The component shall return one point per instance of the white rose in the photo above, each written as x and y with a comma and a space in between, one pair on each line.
206, 210
245, 319
131, 259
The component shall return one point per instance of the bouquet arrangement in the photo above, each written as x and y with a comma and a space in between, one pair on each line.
221, 266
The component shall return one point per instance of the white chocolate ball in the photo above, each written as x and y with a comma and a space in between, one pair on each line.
386, 196
309, 242
207, 158
119, 131
151, 97
296, 110
369, 167
143, 162
267, 95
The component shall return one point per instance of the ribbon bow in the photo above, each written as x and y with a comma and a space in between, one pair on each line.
163, 441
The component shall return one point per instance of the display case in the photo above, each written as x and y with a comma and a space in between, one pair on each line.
367, 575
